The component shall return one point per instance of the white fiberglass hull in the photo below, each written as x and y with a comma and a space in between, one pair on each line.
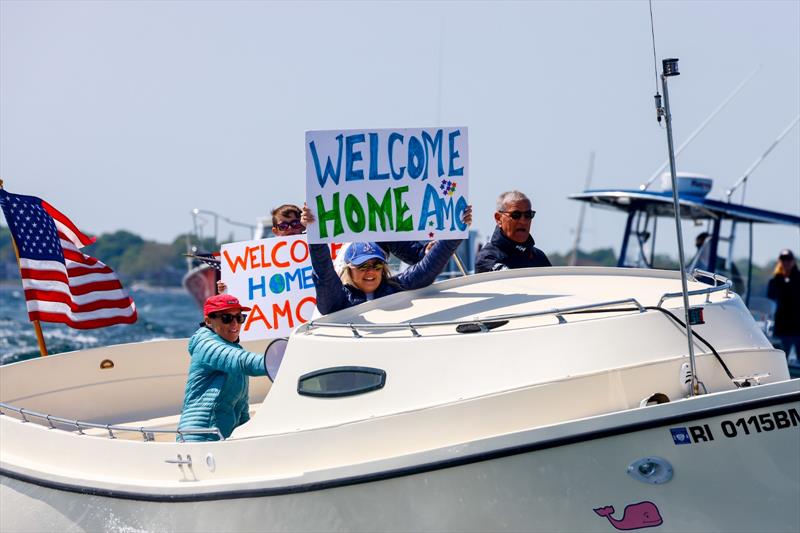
745, 476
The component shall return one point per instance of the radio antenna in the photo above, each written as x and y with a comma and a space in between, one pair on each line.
655, 61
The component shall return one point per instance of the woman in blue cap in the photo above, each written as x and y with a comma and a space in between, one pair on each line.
367, 276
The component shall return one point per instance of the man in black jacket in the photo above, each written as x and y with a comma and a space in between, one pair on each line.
511, 245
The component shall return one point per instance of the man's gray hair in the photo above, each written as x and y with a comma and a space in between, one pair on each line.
510, 196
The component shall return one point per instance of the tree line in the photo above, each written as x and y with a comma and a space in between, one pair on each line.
157, 264
133, 258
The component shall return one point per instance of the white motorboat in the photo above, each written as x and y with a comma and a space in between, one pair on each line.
551, 399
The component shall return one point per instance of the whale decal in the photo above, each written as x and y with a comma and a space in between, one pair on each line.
635, 516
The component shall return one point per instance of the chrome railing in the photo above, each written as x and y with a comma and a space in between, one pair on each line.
148, 434
725, 286
483, 323
721, 283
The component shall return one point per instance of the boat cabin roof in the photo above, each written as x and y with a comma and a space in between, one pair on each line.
696, 207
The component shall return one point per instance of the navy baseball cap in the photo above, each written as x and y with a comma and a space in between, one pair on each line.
359, 253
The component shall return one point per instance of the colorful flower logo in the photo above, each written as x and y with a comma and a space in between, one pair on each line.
447, 187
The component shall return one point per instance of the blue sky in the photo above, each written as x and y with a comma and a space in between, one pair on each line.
131, 114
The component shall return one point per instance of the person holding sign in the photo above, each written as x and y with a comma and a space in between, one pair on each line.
367, 276
217, 387
285, 222
511, 245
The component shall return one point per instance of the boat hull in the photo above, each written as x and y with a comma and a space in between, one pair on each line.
554, 484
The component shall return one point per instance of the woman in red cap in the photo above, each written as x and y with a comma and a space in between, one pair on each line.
217, 387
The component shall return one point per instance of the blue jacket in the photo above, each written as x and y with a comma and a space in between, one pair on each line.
333, 295
217, 386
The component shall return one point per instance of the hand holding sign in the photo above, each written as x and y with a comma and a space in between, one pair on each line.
387, 185
273, 276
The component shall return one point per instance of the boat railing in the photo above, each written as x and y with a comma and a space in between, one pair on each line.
721, 283
148, 434
483, 324
478, 324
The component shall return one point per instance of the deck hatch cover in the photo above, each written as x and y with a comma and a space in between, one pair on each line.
339, 381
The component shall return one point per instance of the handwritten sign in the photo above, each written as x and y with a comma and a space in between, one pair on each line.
387, 184
273, 276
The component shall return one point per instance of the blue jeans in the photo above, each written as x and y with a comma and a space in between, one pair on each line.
789, 341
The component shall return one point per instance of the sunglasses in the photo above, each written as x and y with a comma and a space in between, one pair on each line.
294, 224
371, 265
227, 318
516, 215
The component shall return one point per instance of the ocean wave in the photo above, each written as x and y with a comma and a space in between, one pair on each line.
163, 314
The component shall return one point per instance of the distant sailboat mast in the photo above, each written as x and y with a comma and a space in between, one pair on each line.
573, 258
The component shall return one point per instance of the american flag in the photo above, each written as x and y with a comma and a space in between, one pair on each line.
211, 260
61, 283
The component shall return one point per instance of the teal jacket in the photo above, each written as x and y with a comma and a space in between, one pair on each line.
217, 386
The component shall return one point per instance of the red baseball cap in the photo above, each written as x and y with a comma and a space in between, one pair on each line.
222, 302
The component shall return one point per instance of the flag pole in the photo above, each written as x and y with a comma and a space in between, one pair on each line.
37, 327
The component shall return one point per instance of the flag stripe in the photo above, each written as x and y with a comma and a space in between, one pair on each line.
45, 275
75, 277
67, 226
75, 307
107, 284
57, 286
77, 256
82, 324
81, 270
42, 306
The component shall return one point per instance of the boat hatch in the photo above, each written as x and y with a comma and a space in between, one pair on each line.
341, 381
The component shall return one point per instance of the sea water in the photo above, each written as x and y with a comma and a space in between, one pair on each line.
163, 314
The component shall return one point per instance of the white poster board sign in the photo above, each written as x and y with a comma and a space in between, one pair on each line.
273, 276
387, 184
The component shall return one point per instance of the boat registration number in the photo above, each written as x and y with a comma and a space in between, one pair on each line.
736, 427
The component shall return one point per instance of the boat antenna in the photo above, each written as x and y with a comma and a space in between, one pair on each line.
743, 180
700, 128
573, 258
669, 69
657, 96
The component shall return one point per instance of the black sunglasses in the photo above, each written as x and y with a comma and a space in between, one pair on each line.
227, 318
294, 224
371, 265
516, 215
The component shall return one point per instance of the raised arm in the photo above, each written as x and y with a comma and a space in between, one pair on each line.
331, 295
431, 265
424, 273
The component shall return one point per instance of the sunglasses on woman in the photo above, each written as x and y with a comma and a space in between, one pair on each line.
294, 224
227, 318
516, 215
372, 265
